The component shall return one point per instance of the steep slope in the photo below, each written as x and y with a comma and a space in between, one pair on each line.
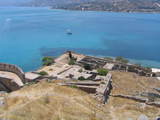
48, 101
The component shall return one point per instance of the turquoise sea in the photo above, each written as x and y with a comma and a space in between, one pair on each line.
27, 34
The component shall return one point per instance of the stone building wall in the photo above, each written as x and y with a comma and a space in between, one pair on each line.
14, 69
8, 85
108, 88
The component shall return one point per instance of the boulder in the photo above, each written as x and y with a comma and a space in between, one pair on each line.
143, 117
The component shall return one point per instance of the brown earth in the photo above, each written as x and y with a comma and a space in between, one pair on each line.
49, 101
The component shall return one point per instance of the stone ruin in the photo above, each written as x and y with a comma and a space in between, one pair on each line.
92, 61
142, 71
100, 88
7, 84
96, 63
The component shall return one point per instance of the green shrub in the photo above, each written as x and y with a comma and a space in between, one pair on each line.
73, 86
81, 78
31, 83
71, 62
138, 64
109, 58
121, 59
47, 61
43, 73
102, 71
148, 68
103, 82
80, 70
87, 67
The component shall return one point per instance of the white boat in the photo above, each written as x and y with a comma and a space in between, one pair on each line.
68, 31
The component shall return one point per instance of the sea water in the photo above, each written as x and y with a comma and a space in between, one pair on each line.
27, 34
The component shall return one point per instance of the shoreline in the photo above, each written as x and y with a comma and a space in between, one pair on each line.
153, 69
50, 8
143, 63
105, 11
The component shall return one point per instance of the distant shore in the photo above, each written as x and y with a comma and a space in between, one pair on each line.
158, 12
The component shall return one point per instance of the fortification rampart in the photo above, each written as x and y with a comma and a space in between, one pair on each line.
14, 69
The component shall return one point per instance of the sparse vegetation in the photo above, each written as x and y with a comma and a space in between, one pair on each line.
109, 58
46, 99
46, 61
51, 69
71, 62
81, 78
121, 59
102, 71
31, 83
148, 68
80, 70
43, 73
87, 67
138, 64
73, 86
103, 82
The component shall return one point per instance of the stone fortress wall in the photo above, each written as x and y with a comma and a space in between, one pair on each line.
7, 85
14, 69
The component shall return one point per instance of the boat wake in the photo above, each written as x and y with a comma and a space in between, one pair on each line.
8, 20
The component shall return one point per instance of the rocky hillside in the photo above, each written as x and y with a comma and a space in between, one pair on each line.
54, 2
101, 5
48, 100
116, 5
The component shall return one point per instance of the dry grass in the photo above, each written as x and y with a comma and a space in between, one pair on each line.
124, 109
130, 83
48, 101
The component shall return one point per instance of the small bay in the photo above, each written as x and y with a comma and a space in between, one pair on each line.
27, 34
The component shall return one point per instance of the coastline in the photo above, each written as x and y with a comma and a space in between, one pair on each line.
50, 8
154, 68
144, 63
104, 11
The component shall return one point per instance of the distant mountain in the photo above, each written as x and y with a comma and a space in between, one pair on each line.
55, 2
102, 5
115, 5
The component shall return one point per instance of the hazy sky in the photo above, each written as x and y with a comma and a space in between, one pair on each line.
13, 1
